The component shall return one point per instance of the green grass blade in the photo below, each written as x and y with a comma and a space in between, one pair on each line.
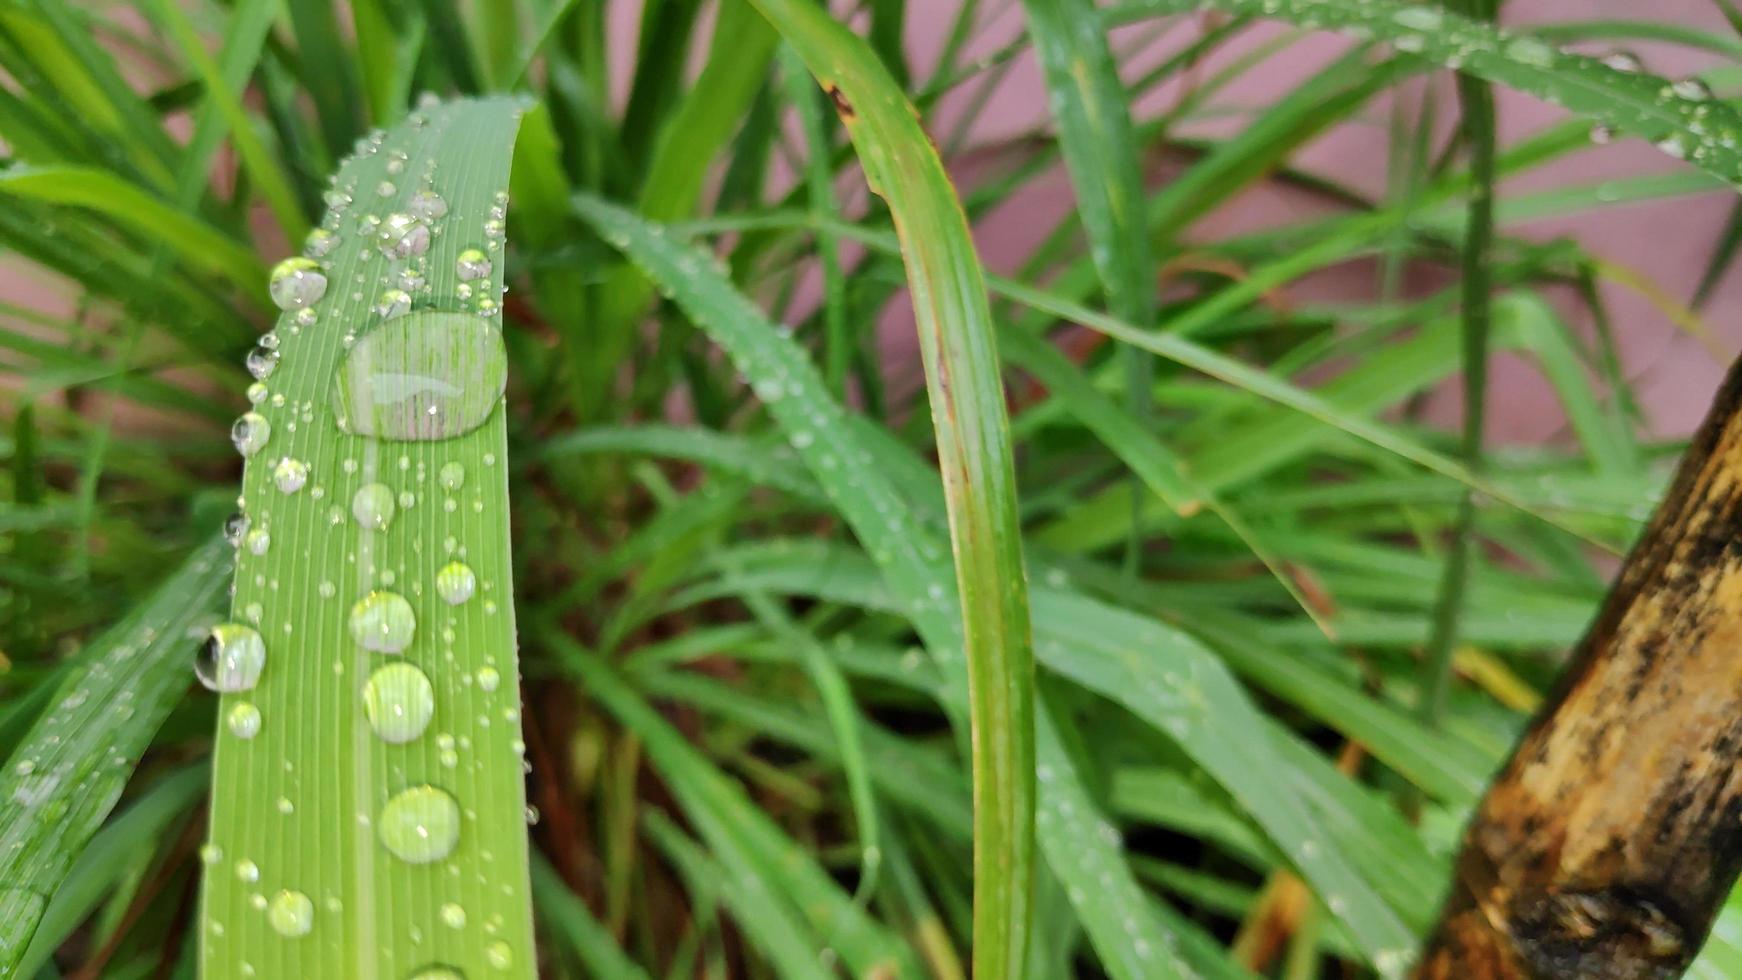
569, 917
1682, 121
973, 440
301, 799
68, 771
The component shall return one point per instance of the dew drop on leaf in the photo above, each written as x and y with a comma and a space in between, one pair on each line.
427, 205
383, 622
393, 303
420, 825
424, 376
243, 719
290, 475
373, 506
453, 915
230, 659
296, 282
291, 914
235, 526
489, 678
399, 702
250, 433
437, 973
319, 242
247, 871
472, 264
499, 955
261, 362
452, 475
455, 582
258, 541
403, 236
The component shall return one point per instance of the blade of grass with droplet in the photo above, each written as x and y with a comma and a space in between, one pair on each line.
915, 578
370, 812
1694, 127
954, 321
62, 779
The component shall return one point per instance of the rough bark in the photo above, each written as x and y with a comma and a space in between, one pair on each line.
1607, 844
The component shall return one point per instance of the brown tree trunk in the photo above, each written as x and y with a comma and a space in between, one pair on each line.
1607, 844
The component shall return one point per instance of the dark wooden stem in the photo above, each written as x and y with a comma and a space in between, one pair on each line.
1606, 846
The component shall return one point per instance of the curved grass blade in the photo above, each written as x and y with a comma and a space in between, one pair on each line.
66, 774
1681, 119
860, 480
592, 943
368, 807
954, 320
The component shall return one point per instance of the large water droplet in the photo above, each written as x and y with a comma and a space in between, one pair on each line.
472, 264
291, 914
452, 475
420, 825
403, 236
1692, 89
455, 583
243, 719
393, 303
1624, 61
289, 475
373, 506
296, 282
427, 205
399, 701
231, 658
423, 376
383, 622
250, 433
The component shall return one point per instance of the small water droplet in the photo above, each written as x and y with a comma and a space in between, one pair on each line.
296, 282
319, 242
455, 582
243, 719
211, 853
403, 236
1530, 51
230, 659
291, 914
373, 506
393, 302
256, 393
258, 541
1625, 62
1601, 134
1418, 18
1692, 89
247, 871
235, 526
399, 702
489, 678
261, 362
453, 915
499, 955
290, 475
420, 825
452, 475
383, 622
437, 973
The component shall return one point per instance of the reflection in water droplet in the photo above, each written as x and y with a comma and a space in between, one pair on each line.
373, 506
455, 583
243, 719
427, 205
289, 475
393, 302
249, 432
399, 701
424, 376
420, 825
499, 955
291, 914
230, 659
256, 393
472, 264
452, 475
383, 622
235, 526
261, 362
319, 242
403, 236
296, 282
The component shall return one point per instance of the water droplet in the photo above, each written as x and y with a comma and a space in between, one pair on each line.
399, 701
261, 362
385, 189
247, 871
420, 825
1418, 18
235, 526
452, 476
437, 973
499, 955
1530, 51
393, 302
296, 282
424, 376
489, 678
383, 622
1673, 145
230, 659
289, 475
211, 853
403, 236
455, 583
427, 205
291, 914
319, 242
1692, 89
256, 393
472, 264
1624, 61
1601, 134
258, 541
453, 915
373, 506
243, 719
